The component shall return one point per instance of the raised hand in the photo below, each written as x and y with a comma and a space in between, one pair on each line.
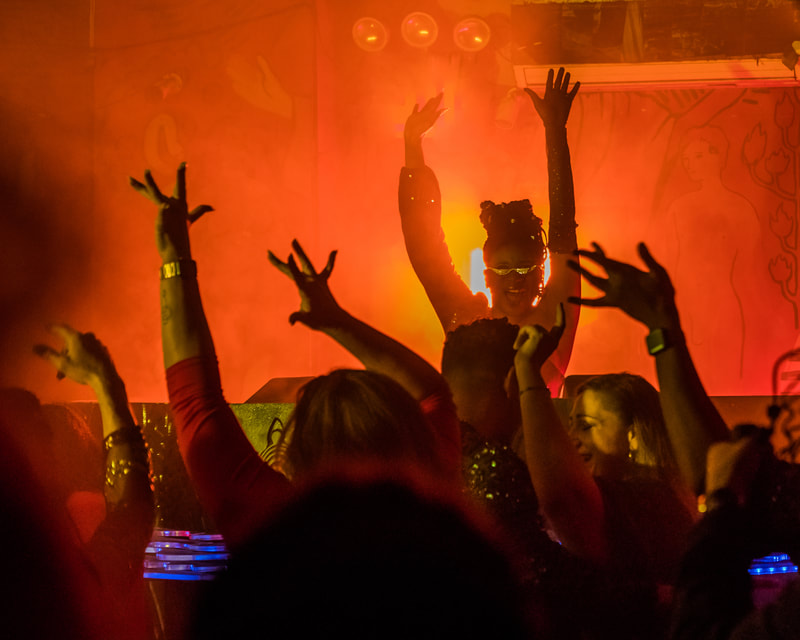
421, 120
174, 217
646, 296
83, 358
535, 344
318, 307
554, 108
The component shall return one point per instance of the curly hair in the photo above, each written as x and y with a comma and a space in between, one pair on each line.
512, 223
487, 344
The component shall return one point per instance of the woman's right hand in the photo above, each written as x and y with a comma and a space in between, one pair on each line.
421, 120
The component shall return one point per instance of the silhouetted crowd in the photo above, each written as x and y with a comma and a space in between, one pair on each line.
408, 501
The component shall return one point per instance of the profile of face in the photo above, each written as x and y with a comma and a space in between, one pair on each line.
513, 293
701, 161
601, 434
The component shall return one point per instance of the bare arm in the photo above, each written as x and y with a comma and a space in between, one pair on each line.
692, 420
376, 351
568, 495
184, 329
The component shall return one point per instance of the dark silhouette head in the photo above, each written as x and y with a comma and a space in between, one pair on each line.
367, 558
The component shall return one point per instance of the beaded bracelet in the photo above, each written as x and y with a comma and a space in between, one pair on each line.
123, 468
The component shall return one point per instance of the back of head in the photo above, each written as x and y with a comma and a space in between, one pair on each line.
367, 558
484, 347
355, 414
637, 402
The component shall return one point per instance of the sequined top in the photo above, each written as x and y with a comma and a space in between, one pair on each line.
498, 480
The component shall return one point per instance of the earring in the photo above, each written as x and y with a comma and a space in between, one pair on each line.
631, 455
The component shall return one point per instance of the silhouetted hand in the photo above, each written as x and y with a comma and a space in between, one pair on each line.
646, 296
174, 217
554, 108
535, 344
421, 120
83, 357
318, 308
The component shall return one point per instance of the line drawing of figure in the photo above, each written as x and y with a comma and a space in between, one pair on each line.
712, 237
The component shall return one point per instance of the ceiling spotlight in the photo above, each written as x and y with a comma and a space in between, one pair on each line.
471, 34
370, 34
419, 29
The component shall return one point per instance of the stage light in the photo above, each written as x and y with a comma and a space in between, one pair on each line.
419, 29
370, 34
471, 34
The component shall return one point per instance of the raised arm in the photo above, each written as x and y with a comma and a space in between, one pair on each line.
376, 351
554, 110
236, 487
128, 488
184, 329
692, 420
568, 495
420, 205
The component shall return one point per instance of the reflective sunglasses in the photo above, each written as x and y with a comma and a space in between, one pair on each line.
523, 271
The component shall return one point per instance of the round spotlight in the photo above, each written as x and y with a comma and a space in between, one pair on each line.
419, 29
471, 34
370, 34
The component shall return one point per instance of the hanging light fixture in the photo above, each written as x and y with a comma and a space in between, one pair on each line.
419, 29
471, 34
370, 34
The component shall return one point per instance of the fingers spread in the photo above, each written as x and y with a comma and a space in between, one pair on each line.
329, 267
304, 261
575, 88
585, 302
63, 331
152, 188
278, 264
559, 78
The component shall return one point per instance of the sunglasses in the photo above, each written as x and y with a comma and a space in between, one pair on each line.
523, 271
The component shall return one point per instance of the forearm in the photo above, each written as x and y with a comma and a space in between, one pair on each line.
693, 422
184, 328
382, 354
415, 158
128, 485
568, 496
561, 236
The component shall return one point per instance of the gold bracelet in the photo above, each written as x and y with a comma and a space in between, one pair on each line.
179, 269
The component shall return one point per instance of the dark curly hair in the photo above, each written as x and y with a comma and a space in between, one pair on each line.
512, 223
486, 344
